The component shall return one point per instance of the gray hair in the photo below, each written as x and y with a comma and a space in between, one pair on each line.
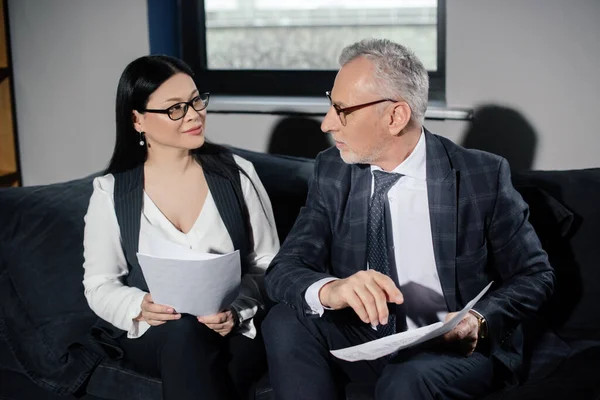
398, 72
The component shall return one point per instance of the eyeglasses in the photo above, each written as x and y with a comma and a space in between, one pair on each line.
343, 112
179, 110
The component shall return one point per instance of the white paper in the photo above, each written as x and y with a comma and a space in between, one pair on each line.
191, 282
387, 345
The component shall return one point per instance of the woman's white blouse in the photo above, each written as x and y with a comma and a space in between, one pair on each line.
105, 263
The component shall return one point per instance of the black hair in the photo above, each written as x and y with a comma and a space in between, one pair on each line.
139, 80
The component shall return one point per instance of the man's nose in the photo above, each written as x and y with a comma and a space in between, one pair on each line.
330, 122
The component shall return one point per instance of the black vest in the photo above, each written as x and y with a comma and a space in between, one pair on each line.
128, 198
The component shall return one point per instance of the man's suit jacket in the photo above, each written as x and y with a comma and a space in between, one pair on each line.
480, 232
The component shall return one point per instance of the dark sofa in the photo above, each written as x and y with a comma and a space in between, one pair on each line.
46, 353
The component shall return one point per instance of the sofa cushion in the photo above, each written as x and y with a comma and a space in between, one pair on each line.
7, 358
44, 316
115, 380
573, 252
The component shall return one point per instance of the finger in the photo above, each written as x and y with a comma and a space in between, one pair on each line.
158, 308
380, 301
357, 305
160, 316
214, 319
454, 335
369, 304
449, 316
217, 327
153, 322
393, 294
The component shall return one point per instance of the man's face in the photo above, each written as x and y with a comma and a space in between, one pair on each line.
364, 137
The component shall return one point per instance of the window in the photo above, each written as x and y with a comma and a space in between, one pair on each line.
291, 47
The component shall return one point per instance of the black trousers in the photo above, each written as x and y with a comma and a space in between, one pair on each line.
195, 362
301, 366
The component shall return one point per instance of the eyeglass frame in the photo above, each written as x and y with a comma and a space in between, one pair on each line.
348, 110
187, 105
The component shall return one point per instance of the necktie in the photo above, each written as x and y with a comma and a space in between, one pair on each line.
377, 254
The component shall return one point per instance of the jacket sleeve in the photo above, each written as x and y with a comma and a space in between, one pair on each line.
305, 254
517, 255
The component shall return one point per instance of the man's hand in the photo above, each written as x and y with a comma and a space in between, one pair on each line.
156, 314
222, 323
464, 335
367, 292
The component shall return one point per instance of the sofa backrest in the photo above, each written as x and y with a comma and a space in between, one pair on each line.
286, 182
44, 317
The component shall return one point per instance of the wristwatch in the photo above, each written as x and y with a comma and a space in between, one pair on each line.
482, 324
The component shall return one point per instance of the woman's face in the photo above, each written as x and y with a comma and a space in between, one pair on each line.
186, 133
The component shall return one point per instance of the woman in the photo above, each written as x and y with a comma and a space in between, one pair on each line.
164, 182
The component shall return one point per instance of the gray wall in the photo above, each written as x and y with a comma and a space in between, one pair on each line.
539, 57
67, 57
536, 56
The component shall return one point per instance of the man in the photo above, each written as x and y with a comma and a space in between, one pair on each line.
401, 229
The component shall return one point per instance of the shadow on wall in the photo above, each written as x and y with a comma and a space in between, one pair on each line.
298, 136
503, 131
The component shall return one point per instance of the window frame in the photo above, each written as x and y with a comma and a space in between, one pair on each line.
298, 83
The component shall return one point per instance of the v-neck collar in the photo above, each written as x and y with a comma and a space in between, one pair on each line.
158, 218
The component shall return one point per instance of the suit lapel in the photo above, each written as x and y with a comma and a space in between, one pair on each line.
442, 194
358, 205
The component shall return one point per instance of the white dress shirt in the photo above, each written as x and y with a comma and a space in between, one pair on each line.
105, 262
411, 227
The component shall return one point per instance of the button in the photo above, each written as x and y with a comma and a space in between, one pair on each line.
391, 199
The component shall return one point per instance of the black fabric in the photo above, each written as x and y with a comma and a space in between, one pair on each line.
572, 241
17, 386
44, 317
191, 359
298, 353
128, 198
7, 358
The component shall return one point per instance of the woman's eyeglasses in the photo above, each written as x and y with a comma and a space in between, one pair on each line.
179, 110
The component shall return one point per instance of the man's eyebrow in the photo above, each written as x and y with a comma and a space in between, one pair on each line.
340, 104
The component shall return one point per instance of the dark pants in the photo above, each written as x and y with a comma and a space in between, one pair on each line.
195, 362
301, 366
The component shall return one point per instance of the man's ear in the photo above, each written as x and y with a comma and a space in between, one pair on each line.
399, 117
137, 119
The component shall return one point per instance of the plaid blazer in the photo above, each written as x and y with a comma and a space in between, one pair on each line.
480, 230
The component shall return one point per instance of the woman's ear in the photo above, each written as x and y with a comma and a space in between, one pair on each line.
399, 118
137, 119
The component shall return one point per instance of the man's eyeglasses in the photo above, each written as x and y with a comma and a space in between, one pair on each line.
179, 110
343, 112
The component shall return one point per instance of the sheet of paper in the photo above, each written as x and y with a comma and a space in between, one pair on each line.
163, 248
195, 283
387, 345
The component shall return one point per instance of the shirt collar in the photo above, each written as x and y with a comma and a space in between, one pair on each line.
414, 165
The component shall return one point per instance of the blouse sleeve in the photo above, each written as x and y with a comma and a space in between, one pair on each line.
104, 264
266, 245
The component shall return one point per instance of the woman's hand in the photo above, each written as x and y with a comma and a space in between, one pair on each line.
156, 314
222, 323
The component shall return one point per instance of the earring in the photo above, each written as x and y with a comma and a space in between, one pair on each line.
142, 139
